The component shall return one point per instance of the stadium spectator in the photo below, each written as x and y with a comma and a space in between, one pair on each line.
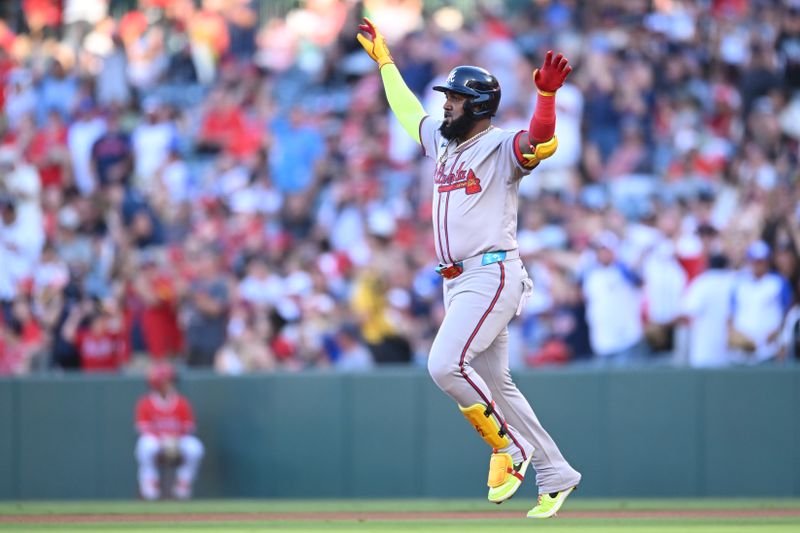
112, 87
208, 297
154, 285
613, 304
352, 354
82, 133
759, 303
706, 308
371, 306
664, 281
48, 152
58, 91
152, 140
112, 156
22, 182
246, 348
97, 331
20, 97
12, 252
790, 335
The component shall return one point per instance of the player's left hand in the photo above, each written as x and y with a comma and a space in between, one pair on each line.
552, 73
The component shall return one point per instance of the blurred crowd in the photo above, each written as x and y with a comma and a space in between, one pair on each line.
199, 182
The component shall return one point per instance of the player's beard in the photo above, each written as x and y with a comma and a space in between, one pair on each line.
458, 128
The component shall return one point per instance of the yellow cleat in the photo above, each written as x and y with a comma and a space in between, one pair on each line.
505, 477
549, 504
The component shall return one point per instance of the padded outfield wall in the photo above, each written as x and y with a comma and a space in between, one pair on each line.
648, 432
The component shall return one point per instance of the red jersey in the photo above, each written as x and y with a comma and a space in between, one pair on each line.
171, 416
100, 352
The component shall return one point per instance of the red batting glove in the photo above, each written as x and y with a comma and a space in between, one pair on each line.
552, 74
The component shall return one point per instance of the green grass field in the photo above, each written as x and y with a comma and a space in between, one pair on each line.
577, 516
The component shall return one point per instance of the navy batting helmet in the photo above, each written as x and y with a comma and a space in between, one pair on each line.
477, 83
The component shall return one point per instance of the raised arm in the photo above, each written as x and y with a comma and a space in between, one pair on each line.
404, 104
541, 141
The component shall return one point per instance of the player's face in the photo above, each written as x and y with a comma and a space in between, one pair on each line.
457, 123
453, 106
164, 387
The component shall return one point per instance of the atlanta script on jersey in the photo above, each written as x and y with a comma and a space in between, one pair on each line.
474, 191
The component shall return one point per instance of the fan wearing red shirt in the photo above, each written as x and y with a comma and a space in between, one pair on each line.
101, 340
165, 422
157, 290
48, 151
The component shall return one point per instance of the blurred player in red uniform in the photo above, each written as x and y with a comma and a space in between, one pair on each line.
165, 422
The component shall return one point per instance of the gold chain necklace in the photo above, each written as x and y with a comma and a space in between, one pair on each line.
476, 136
443, 157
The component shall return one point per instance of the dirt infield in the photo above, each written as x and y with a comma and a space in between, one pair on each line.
380, 516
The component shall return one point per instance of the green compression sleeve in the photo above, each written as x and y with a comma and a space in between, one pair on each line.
404, 104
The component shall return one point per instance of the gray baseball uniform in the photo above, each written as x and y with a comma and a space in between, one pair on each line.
475, 212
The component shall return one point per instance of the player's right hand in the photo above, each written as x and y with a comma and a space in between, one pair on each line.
376, 46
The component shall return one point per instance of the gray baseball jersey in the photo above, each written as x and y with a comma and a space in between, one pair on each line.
475, 211
474, 191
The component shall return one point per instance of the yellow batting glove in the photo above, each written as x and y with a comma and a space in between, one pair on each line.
541, 151
375, 47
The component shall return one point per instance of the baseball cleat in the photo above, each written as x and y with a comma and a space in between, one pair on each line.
150, 490
505, 477
549, 504
182, 490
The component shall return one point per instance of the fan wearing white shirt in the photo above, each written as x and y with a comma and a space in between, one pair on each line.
705, 306
613, 304
664, 283
759, 304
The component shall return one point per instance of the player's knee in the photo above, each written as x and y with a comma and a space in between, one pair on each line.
191, 448
147, 448
444, 374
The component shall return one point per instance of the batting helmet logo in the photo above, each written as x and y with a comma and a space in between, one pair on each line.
477, 83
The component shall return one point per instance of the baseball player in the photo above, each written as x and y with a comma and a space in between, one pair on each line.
165, 422
478, 170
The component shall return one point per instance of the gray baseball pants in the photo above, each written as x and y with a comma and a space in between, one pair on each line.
469, 362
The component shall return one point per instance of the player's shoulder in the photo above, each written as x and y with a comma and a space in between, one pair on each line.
499, 132
493, 138
497, 135
144, 402
429, 127
182, 401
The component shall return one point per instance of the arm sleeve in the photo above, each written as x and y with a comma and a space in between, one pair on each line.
543, 123
404, 104
630, 275
786, 294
